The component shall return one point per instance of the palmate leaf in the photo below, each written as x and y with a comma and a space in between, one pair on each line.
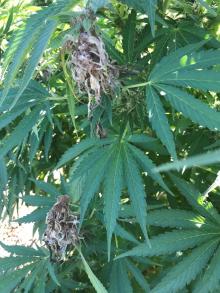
93, 279
51, 272
171, 242
159, 120
20, 132
22, 250
182, 68
191, 108
40, 284
121, 232
10, 262
187, 269
112, 191
119, 281
8, 117
3, 174
148, 7
9, 281
178, 219
147, 165
113, 164
146, 142
135, 189
183, 59
23, 41
38, 49
94, 180
36, 137
37, 215
203, 80
34, 94
198, 160
29, 280
36, 200
79, 148
210, 280
129, 36
140, 279
46, 187
194, 198
25, 269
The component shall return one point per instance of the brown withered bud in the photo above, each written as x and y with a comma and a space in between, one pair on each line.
61, 230
91, 68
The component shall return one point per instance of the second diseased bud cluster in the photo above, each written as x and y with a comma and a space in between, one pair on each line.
61, 228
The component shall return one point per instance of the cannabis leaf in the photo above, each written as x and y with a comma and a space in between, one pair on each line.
182, 68
117, 164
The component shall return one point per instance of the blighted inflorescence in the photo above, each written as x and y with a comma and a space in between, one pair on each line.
61, 228
90, 67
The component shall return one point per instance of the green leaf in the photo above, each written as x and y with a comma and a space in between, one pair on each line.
111, 50
192, 108
20, 132
119, 281
8, 117
178, 219
121, 232
35, 216
40, 284
148, 7
181, 59
9, 281
171, 242
47, 187
209, 282
12, 262
3, 174
129, 36
147, 165
29, 280
81, 147
48, 137
9, 21
151, 11
208, 8
147, 143
196, 200
36, 200
199, 79
135, 189
71, 106
159, 120
23, 40
112, 191
94, 180
199, 160
38, 48
93, 279
36, 138
76, 150
187, 269
138, 276
52, 274
22, 250
97, 4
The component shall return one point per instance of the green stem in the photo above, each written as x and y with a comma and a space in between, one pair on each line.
136, 85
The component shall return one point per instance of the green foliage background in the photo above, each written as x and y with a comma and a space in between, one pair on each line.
143, 230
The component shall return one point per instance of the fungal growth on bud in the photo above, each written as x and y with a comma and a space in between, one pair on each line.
61, 230
90, 67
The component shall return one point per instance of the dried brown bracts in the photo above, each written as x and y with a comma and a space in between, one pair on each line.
61, 228
90, 67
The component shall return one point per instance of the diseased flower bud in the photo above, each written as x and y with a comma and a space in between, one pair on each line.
61, 228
